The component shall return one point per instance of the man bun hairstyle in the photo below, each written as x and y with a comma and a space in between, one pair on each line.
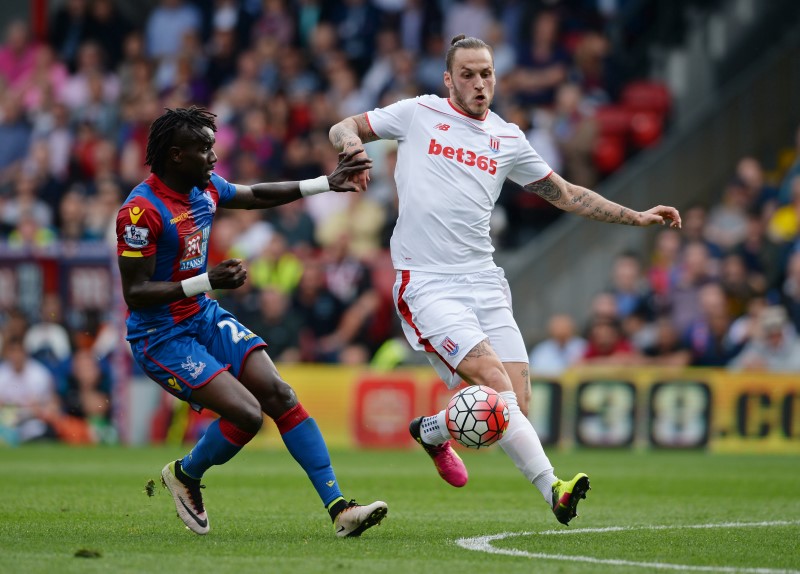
162, 132
464, 42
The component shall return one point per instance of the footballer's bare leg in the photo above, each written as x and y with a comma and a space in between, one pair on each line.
520, 441
520, 381
230, 399
481, 366
305, 443
262, 379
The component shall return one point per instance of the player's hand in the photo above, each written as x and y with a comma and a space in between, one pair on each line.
352, 172
229, 274
659, 215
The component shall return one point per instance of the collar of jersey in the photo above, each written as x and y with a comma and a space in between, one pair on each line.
162, 188
455, 109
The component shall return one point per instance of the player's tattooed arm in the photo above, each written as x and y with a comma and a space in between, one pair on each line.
352, 133
582, 201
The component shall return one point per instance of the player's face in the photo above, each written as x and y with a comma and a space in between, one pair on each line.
198, 158
472, 81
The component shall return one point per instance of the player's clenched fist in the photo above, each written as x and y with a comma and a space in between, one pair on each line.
229, 274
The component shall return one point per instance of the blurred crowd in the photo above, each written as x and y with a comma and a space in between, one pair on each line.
77, 102
722, 292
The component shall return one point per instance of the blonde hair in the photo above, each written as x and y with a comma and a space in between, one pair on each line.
463, 42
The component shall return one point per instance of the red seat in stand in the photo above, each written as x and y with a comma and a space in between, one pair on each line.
608, 154
647, 96
646, 128
613, 121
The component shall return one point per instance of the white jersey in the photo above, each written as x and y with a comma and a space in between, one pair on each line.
450, 170
33, 386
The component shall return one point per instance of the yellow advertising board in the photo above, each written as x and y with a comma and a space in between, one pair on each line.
757, 412
670, 408
591, 408
358, 407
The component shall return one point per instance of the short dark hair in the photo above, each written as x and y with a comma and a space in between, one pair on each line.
468, 43
164, 128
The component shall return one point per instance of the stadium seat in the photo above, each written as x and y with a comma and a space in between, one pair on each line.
646, 128
613, 121
608, 154
647, 96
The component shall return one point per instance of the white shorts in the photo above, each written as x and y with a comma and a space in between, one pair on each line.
447, 315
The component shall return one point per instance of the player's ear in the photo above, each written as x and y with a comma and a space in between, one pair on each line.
448, 80
175, 154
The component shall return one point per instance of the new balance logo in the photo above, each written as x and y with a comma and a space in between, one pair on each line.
440, 126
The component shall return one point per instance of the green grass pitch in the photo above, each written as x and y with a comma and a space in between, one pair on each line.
646, 512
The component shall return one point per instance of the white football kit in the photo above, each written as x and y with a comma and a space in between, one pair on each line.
450, 169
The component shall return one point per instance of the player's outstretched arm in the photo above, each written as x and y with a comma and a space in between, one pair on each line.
352, 133
266, 195
590, 204
140, 292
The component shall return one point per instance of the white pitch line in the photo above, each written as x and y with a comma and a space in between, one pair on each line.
674, 527
484, 544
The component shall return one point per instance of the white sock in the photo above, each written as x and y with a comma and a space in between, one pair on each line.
434, 429
522, 444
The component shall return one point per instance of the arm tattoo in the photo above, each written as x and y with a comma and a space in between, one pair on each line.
364, 129
525, 375
601, 209
546, 189
339, 134
344, 137
581, 201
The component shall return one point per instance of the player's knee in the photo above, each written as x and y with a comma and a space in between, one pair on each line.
280, 399
493, 376
249, 418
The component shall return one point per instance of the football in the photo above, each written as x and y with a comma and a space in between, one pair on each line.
477, 416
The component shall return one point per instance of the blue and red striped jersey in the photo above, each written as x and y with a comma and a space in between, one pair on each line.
175, 227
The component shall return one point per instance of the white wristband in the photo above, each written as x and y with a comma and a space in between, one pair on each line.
314, 186
196, 285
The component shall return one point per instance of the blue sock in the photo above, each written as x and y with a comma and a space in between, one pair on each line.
221, 441
306, 445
